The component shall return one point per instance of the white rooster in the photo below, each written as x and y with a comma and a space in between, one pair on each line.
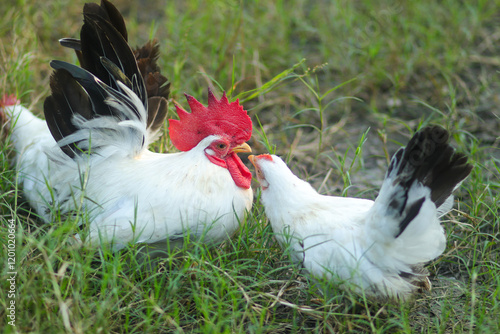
380, 246
90, 158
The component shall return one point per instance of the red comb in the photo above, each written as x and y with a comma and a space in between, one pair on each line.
219, 118
9, 100
265, 157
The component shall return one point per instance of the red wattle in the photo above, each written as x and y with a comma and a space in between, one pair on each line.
239, 172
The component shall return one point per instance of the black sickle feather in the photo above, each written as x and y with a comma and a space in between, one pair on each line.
105, 59
115, 73
68, 99
97, 90
100, 39
88, 82
118, 76
107, 12
107, 18
115, 17
74, 44
71, 43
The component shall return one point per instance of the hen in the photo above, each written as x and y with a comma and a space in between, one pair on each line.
90, 158
376, 247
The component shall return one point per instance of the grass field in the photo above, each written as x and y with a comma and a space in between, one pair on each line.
338, 86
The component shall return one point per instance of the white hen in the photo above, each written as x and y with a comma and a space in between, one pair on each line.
100, 169
380, 246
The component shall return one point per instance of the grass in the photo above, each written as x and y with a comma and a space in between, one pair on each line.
337, 87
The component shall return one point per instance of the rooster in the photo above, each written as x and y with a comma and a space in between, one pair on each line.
375, 247
89, 159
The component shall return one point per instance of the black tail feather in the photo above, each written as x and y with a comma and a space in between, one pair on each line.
68, 99
100, 39
110, 13
106, 12
146, 56
88, 81
104, 52
430, 160
104, 55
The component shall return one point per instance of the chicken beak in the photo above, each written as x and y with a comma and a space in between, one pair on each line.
260, 175
243, 148
252, 160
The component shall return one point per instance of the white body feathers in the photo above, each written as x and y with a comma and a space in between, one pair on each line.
100, 172
376, 247
126, 193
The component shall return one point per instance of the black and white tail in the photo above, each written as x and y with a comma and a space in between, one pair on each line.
117, 98
428, 160
403, 230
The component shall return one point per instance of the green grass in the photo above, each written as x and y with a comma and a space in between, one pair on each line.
395, 66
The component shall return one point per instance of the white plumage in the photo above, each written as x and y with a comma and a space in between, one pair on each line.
100, 170
143, 198
376, 247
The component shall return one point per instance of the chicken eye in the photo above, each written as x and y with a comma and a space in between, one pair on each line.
221, 146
